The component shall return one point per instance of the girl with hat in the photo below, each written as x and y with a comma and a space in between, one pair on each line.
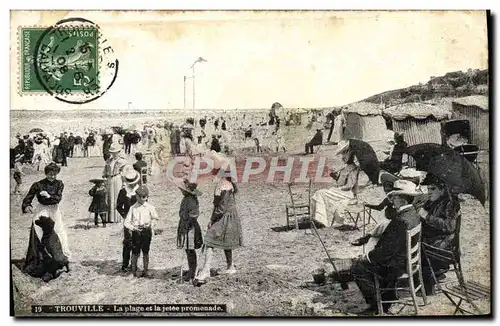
112, 174
127, 198
98, 206
329, 204
189, 235
18, 172
48, 193
224, 229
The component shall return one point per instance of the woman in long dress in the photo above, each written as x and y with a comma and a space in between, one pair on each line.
224, 229
112, 172
329, 204
48, 250
338, 128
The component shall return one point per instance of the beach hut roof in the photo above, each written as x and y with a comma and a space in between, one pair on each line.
480, 101
364, 108
417, 111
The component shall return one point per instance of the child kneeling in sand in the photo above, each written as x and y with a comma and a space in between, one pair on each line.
139, 221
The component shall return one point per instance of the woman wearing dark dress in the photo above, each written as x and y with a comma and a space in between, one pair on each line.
127, 198
439, 216
224, 229
189, 235
48, 249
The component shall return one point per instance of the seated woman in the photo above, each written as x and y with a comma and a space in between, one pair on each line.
439, 220
328, 204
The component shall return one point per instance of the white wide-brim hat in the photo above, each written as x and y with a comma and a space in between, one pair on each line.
404, 187
115, 148
342, 147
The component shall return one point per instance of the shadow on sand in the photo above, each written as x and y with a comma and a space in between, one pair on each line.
113, 267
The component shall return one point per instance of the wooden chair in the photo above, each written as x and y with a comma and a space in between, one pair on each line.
413, 268
300, 206
461, 290
356, 213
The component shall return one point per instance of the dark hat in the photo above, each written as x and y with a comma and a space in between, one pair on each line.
190, 188
386, 177
142, 191
97, 181
431, 179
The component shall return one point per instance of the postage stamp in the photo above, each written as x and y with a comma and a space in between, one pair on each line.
67, 58
70, 60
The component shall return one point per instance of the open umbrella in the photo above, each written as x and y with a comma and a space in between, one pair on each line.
36, 130
367, 158
455, 170
423, 153
459, 174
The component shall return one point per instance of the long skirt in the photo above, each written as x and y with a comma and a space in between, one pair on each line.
93, 151
78, 151
44, 252
328, 205
113, 188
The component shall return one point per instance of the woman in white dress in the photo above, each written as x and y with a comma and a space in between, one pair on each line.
112, 173
329, 204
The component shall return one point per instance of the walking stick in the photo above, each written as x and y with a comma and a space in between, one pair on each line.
324, 247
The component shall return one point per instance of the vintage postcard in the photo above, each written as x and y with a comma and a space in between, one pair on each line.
249, 163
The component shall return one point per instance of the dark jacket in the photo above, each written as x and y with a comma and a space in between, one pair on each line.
123, 203
389, 212
438, 229
189, 213
54, 188
390, 251
99, 203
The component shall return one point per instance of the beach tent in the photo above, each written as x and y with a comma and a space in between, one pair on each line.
419, 122
364, 121
475, 109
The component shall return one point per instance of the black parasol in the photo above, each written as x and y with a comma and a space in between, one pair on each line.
455, 170
423, 153
367, 158
459, 174
36, 130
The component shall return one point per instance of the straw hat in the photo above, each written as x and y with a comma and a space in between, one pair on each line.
115, 148
131, 177
404, 187
342, 147
190, 188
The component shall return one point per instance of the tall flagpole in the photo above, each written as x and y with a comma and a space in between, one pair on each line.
194, 93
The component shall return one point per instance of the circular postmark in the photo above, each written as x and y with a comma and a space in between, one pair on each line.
74, 62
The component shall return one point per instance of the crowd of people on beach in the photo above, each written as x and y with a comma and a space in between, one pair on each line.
120, 195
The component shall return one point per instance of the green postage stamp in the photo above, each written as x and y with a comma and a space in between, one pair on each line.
58, 60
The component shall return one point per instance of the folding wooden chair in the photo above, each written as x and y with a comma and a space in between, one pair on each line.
413, 268
356, 213
458, 291
300, 206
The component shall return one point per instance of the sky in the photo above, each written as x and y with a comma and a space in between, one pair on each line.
300, 59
